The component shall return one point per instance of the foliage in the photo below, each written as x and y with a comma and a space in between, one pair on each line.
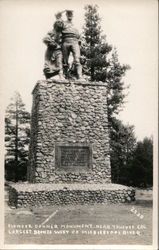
142, 164
131, 161
116, 88
17, 133
94, 48
100, 61
122, 146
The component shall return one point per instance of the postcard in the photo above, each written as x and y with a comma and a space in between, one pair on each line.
79, 124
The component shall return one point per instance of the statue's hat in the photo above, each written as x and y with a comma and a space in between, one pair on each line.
69, 12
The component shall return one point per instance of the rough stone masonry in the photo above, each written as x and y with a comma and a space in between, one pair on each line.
69, 148
69, 140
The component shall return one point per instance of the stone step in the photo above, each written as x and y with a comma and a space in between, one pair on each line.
40, 194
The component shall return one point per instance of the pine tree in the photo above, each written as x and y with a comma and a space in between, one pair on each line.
17, 133
122, 147
94, 49
142, 165
101, 61
116, 89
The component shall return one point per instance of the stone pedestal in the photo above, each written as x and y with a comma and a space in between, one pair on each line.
69, 149
69, 133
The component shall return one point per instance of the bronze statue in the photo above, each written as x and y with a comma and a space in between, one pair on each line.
63, 40
70, 43
53, 56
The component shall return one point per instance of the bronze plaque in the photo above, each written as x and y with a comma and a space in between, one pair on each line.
73, 157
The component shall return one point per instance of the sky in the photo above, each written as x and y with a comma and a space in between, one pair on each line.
130, 26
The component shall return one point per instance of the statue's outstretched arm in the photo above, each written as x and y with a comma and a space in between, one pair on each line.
58, 15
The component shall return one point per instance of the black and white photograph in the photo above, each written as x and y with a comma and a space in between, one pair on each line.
79, 108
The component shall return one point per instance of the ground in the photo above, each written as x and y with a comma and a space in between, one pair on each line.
82, 224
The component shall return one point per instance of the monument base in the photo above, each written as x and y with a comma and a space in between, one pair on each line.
40, 194
69, 133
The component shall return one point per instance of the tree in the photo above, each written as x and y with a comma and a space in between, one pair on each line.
101, 61
94, 48
116, 89
101, 64
142, 165
17, 133
122, 146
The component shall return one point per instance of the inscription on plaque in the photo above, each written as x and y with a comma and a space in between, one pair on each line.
73, 157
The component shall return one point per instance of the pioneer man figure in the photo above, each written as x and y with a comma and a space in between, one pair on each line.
70, 43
